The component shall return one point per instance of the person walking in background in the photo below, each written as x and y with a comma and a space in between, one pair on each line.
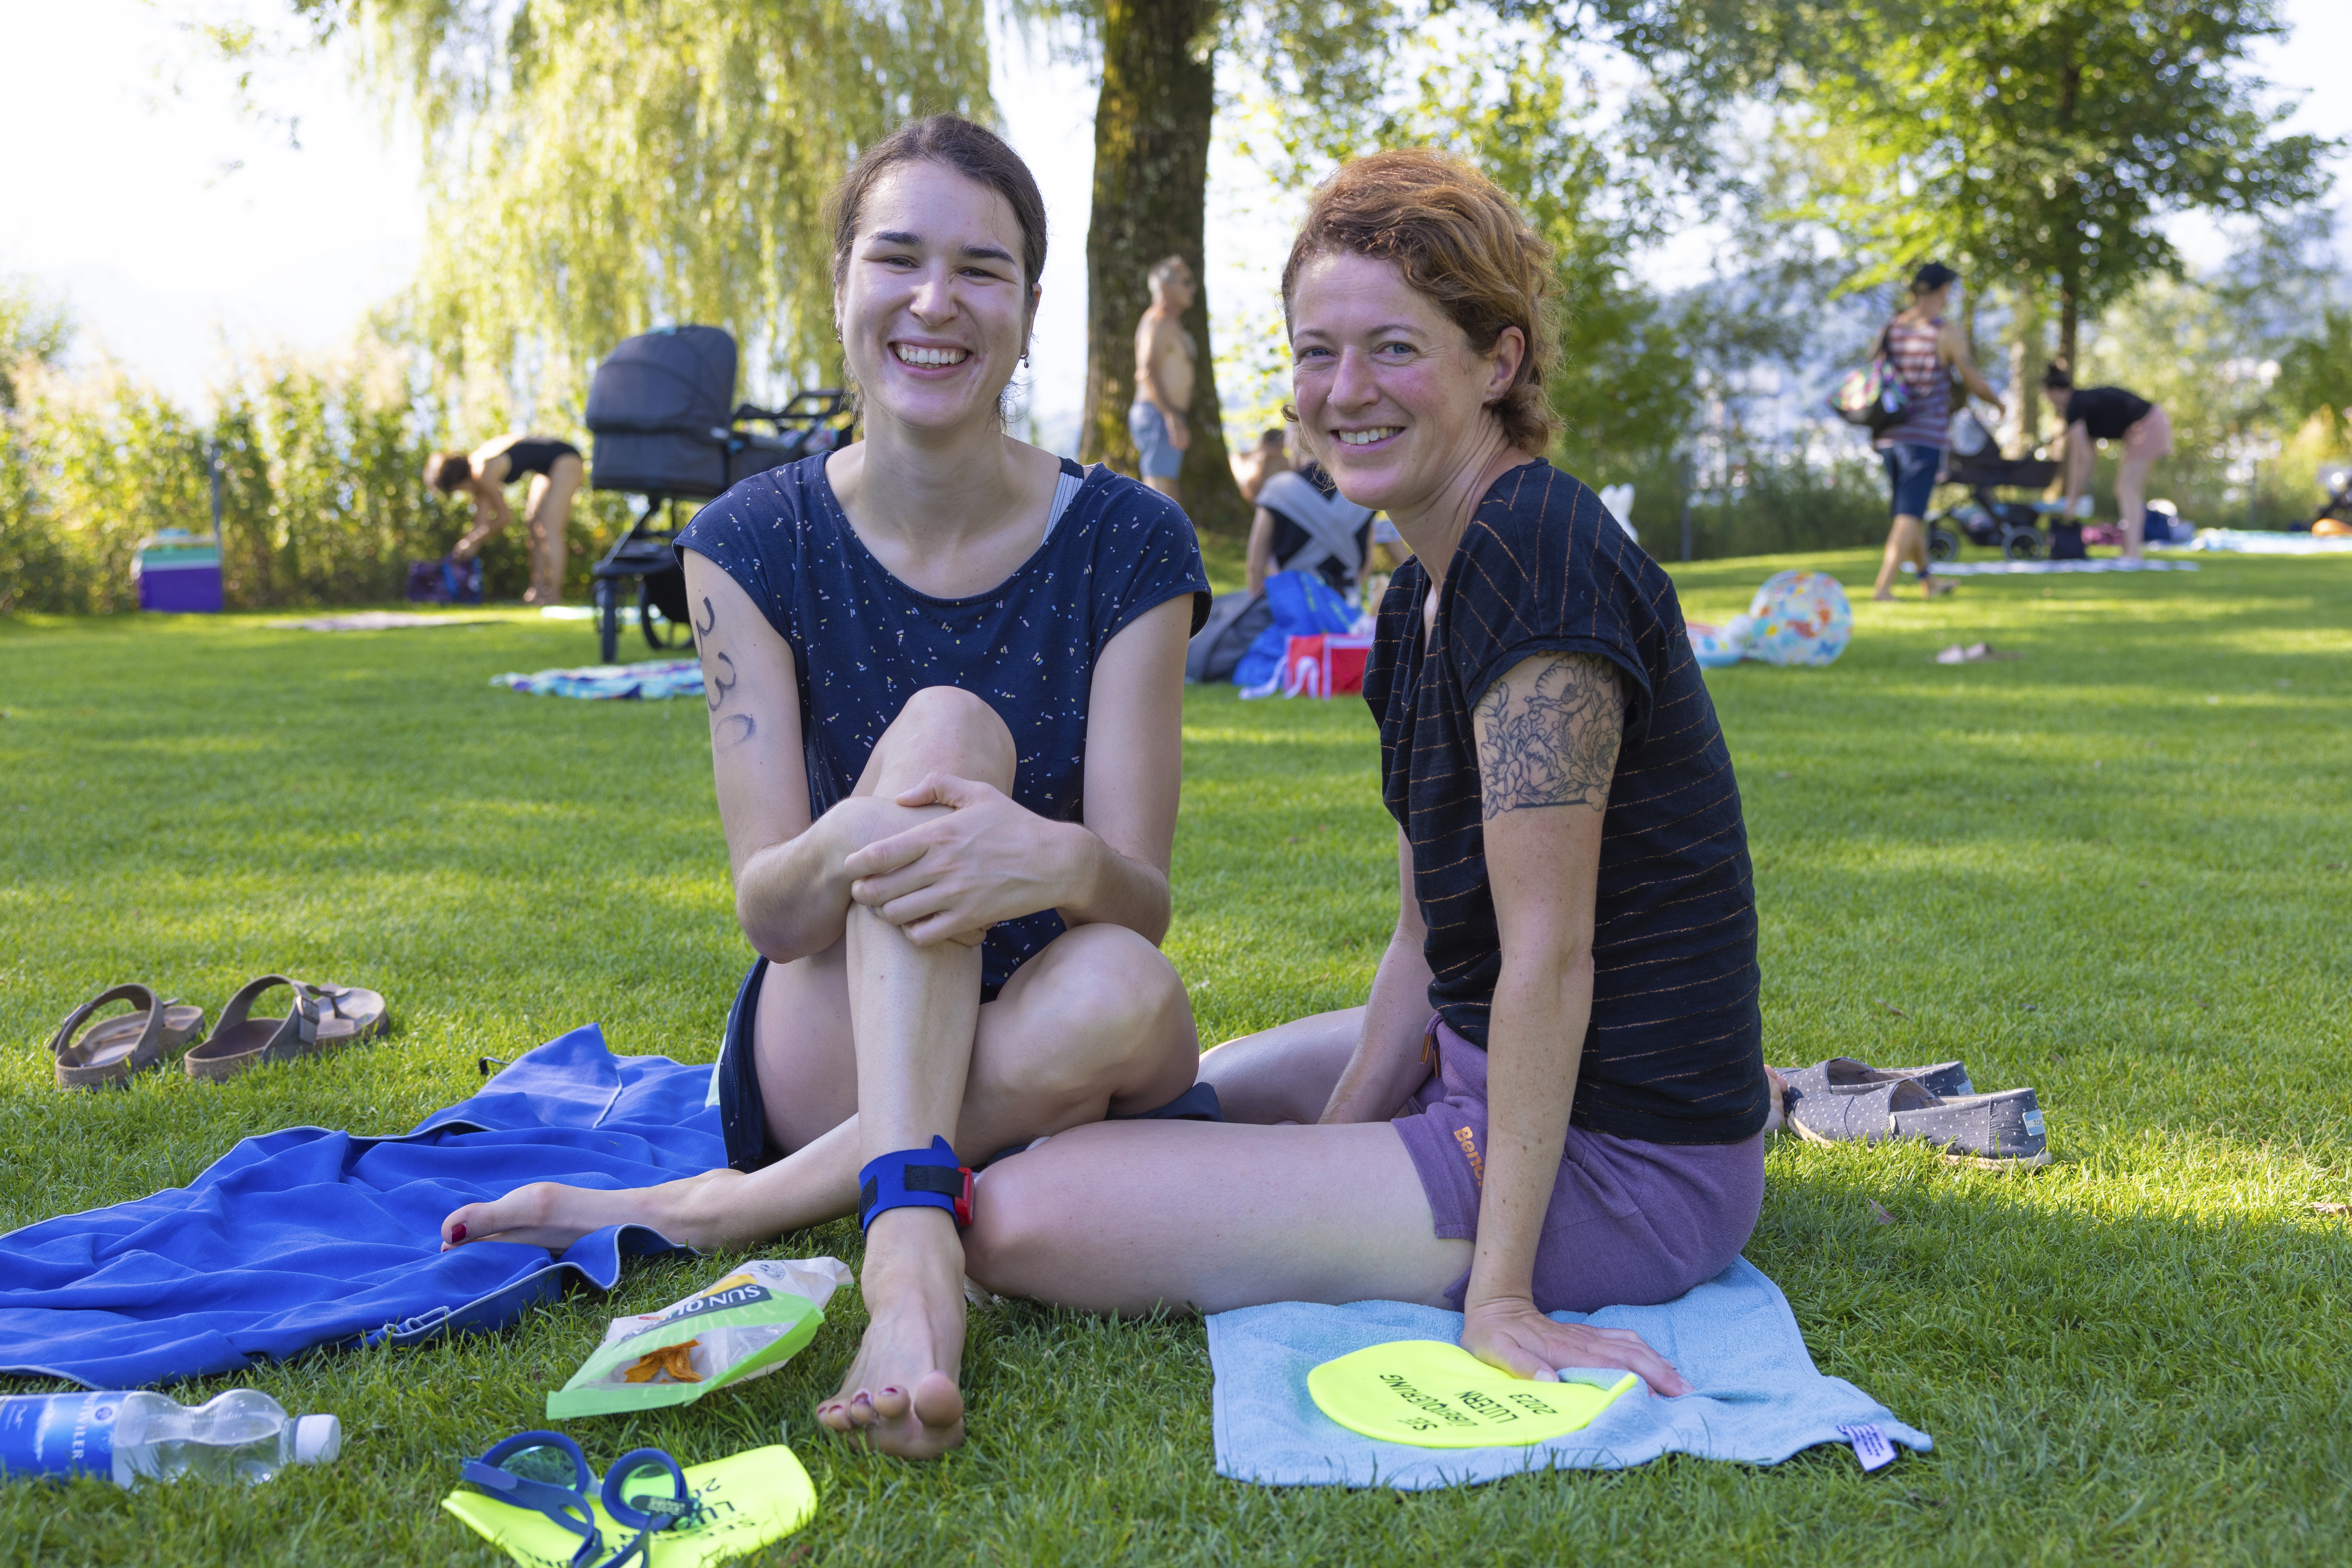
1927, 351
2096, 413
556, 472
1163, 378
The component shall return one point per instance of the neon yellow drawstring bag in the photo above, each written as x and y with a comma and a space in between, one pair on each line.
746, 1500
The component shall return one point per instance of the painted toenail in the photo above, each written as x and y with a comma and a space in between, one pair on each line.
458, 1233
890, 1391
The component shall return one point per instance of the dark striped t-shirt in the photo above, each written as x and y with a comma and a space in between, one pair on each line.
1675, 1051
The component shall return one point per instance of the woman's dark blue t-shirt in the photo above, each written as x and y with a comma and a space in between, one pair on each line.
1674, 1053
865, 642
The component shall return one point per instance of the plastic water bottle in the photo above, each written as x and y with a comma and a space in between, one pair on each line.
127, 1438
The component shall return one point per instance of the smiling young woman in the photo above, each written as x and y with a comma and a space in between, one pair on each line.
944, 672
1555, 1096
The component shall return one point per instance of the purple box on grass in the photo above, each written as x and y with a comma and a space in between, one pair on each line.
179, 571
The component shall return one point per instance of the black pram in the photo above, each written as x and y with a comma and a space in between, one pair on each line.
2011, 527
661, 407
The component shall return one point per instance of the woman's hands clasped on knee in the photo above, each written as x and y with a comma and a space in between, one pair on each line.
1524, 1343
986, 858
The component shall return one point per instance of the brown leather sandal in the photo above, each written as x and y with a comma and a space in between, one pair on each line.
240, 1041
118, 1047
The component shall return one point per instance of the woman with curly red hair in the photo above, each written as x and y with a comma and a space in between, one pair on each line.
1555, 1096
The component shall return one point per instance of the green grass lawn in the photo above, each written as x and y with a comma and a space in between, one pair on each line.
2114, 871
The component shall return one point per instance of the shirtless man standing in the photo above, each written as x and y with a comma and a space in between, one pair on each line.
1163, 378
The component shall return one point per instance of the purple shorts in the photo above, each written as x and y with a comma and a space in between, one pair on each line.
1631, 1223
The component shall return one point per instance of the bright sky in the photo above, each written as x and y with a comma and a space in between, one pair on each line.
179, 231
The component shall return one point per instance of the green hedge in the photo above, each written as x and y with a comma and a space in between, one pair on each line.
322, 500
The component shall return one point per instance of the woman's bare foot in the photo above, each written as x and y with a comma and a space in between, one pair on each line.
900, 1395
546, 1213
1776, 1118
1884, 596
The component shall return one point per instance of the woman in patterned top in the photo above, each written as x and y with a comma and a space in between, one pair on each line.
1929, 352
1555, 1096
945, 676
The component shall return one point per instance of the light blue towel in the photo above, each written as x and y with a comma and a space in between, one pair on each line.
1733, 1339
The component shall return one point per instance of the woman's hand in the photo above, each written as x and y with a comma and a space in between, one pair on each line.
1524, 1343
949, 880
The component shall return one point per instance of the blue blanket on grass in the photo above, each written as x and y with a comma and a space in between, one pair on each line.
1757, 1398
308, 1237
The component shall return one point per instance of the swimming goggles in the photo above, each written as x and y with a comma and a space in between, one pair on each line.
545, 1471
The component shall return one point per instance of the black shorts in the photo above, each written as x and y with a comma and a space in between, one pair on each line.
743, 1113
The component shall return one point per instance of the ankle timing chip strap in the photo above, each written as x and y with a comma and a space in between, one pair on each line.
915, 1178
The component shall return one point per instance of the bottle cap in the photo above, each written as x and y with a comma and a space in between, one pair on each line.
317, 1439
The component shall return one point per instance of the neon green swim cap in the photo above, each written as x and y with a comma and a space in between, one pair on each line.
1433, 1394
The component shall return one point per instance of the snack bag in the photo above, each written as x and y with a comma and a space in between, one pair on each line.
745, 1326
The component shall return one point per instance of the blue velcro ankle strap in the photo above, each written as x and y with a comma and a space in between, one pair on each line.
915, 1178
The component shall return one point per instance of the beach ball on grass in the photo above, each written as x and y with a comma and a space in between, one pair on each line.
1798, 618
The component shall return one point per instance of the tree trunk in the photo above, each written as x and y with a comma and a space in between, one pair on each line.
1151, 173
2069, 318
2022, 432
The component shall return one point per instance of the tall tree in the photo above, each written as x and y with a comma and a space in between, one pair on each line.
1154, 116
2038, 142
1152, 121
601, 167
1519, 108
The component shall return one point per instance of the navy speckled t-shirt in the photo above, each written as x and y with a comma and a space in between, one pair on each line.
865, 642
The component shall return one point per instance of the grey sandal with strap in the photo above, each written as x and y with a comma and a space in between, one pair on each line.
347, 1014
240, 1041
116, 1048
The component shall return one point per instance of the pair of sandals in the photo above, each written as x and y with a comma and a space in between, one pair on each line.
323, 1018
1841, 1100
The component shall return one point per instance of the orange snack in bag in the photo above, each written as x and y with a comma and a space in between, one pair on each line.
675, 1361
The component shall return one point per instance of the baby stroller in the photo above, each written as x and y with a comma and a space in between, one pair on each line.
666, 430
2011, 527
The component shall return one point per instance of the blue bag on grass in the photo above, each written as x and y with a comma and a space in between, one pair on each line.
1304, 605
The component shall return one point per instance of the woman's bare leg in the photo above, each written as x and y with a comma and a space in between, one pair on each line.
1127, 1217
1097, 1021
547, 513
2131, 495
1096, 1024
1284, 1074
1906, 540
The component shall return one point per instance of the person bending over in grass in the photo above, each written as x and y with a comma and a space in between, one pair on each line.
2096, 414
555, 472
945, 672
1556, 1096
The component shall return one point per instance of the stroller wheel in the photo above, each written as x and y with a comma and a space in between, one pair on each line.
2022, 544
665, 635
1942, 544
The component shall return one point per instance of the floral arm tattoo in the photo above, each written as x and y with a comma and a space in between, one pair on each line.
1551, 740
